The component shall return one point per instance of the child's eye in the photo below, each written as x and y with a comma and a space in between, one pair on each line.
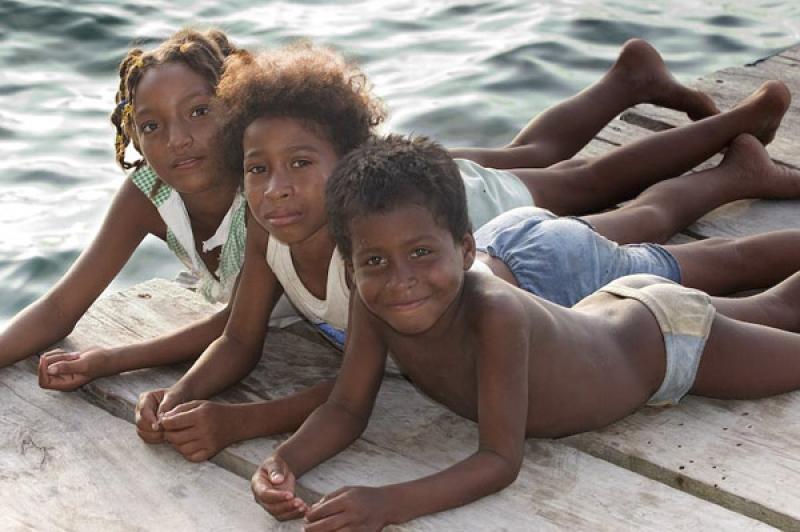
148, 127
256, 169
202, 110
420, 252
300, 163
375, 260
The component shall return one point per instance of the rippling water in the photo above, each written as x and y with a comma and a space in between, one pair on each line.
465, 72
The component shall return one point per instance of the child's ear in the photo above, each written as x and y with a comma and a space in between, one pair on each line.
468, 250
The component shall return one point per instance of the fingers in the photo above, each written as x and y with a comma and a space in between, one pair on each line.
194, 451
283, 505
334, 522
327, 506
280, 503
180, 437
181, 417
51, 357
275, 470
147, 425
68, 366
167, 403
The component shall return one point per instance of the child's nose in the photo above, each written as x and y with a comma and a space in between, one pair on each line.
278, 187
402, 276
179, 138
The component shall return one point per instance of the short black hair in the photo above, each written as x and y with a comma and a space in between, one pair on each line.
387, 172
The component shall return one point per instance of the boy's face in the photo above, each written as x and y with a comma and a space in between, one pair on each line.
407, 268
286, 165
174, 127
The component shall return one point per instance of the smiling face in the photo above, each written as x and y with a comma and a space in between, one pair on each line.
407, 268
286, 165
173, 125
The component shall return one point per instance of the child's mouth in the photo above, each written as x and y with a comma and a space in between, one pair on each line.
405, 306
188, 163
281, 220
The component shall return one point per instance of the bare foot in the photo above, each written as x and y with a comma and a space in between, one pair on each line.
760, 175
767, 105
642, 70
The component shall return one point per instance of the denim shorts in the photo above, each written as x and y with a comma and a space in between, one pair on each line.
563, 259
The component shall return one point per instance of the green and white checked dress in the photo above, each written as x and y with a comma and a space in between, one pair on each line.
231, 235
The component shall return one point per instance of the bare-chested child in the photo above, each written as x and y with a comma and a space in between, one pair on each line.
496, 354
294, 112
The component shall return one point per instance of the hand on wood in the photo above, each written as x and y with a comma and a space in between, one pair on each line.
147, 426
67, 371
273, 486
352, 508
199, 429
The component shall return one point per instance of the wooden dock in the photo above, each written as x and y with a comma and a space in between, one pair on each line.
72, 461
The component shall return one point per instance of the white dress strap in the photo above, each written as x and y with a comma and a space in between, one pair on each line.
333, 309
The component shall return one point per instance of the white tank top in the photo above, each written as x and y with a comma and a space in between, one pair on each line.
331, 310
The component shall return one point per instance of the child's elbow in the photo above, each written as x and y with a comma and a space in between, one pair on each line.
506, 470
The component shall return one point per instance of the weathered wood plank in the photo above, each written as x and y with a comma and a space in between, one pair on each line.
740, 454
67, 465
410, 436
791, 53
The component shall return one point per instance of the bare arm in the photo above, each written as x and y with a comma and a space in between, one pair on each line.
332, 426
199, 429
233, 355
52, 317
502, 412
342, 419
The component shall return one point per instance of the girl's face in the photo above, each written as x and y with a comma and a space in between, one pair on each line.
173, 125
286, 165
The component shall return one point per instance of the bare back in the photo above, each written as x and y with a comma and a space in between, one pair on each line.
586, 367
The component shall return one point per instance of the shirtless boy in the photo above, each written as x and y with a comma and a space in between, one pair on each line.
497, 354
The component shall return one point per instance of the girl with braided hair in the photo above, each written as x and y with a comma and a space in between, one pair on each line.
175, 192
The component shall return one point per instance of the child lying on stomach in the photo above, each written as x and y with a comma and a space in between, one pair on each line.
518, 365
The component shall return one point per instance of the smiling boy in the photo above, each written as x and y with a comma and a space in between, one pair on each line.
518, 365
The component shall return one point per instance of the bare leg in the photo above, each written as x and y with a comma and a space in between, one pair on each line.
745, 360
673, 204
726, 265
777, 307
621, 174
638, 76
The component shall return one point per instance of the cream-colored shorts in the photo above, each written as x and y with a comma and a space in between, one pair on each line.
685, 316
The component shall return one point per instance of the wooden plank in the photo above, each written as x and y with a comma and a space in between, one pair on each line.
67, 465
792, 53
409, 436
739, 454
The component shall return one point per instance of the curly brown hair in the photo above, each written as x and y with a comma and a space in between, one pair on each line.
304, 81
202, 51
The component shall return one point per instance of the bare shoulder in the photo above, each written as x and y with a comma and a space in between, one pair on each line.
131, 206
496, 309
